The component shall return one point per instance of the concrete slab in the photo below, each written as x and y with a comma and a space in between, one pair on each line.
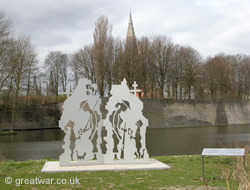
52, 167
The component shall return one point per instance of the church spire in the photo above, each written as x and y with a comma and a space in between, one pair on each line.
130, 32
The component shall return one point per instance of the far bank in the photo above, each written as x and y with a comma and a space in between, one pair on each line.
165, 113
161, 113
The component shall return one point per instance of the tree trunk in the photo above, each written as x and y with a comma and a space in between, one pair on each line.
189, 92
14, 106
28, 86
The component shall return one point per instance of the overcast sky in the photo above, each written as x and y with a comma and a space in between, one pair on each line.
209, 26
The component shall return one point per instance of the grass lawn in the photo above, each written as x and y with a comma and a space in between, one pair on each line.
185, 173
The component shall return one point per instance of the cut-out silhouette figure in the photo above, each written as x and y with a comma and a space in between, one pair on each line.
89, 138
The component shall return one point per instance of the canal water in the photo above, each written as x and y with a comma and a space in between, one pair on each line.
39, 144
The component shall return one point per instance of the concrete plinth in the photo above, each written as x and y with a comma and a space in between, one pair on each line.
52, 167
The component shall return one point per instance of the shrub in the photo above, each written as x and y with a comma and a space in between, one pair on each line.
240, 174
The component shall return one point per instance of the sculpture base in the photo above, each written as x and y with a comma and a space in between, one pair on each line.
53, 167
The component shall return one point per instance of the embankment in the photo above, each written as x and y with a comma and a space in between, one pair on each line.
162, 113
30, 116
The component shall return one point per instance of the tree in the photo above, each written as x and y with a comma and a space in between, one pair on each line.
176, 72
210, 77
64, 71
102, 36
191, 60
37, 90
220, 77
56, 64
22, 56
51, 89
245, 76
118, 60
145, 61
200, 85
6, 69
31, 68
110, 62
82, 64
163, 48
240, 64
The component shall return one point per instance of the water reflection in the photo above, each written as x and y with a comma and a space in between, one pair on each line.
34, 135
192, 140
35, 144
40, 144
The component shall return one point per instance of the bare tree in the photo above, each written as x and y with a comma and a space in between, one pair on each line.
164, 49
56, 64
145, 61
30, 71
119, 46
220, 77
102, 34
210, 74
64, 71
240, 64
191, 60
22, 56
245, 73
82, 64
110, 62
176, 72
37, 88
6, 69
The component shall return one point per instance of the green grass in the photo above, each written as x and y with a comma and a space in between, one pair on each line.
8, 133
185, 173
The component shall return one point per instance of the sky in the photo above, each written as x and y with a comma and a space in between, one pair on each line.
209, 26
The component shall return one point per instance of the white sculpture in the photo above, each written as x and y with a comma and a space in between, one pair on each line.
116, 135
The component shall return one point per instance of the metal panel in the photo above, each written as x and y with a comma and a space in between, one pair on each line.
223, 152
